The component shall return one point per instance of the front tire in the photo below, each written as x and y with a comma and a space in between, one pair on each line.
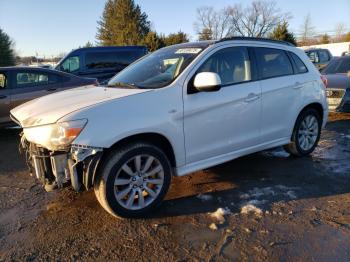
133, 180
306, 133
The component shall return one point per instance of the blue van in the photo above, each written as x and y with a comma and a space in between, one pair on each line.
100, 62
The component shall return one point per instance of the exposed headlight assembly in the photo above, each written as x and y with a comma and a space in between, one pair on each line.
56, 136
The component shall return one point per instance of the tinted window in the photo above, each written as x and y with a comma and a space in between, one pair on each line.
313, 56
341, 65
116, 59
300, 66
31, 79
231, 64
53, 79
273, 62
3, 80
323, 56
71, 64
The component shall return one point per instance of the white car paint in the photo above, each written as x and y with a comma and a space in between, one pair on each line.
48, 109
204, 129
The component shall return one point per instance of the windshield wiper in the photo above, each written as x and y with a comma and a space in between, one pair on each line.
122, 84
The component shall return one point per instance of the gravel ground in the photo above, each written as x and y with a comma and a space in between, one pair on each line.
265, 206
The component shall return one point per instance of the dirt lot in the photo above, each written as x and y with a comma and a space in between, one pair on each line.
266, 206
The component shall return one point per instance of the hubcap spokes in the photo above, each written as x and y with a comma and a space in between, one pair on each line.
138, 182
308, 132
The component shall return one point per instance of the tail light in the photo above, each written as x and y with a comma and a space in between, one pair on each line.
324, 80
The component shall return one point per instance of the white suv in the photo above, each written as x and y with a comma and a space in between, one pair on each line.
178, 110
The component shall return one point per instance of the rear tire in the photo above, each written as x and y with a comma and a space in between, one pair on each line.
133, 180
306, 133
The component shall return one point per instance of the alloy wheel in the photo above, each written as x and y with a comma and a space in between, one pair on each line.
138, 182
308, 132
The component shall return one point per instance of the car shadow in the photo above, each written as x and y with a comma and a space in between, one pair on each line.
11, 160
259, 179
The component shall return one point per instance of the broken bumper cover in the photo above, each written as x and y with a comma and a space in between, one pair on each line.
76, 167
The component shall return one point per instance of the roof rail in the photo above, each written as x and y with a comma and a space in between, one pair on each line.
255, 39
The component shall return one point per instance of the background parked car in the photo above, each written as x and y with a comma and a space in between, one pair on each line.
319, 57
100, 62
20, 84
338, 84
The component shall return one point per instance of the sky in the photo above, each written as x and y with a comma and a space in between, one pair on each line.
51, 27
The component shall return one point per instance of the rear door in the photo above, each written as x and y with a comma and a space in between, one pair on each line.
30, 84
280, 93
5, 98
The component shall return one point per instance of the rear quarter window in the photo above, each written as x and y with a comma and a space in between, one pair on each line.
299, 64
273, 62
28, 79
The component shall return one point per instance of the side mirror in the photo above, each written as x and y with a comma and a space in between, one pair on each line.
207, 82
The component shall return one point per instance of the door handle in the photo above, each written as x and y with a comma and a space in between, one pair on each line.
297, 85
3, 97
251, 97
51, 89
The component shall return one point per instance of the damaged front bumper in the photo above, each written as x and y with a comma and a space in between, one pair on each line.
55, 169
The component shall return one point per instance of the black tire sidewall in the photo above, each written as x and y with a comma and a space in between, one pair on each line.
301, 117
112, 173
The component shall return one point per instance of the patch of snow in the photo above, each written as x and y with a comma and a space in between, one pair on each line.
244, 196
278, 152
249, 208
256, 202
204, 197
345, 136
258, 192
257, 197
281, 187
291, 194
247, 230
333, 154
220, 213
213, 226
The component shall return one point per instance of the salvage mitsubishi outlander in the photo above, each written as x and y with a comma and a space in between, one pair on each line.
175, 111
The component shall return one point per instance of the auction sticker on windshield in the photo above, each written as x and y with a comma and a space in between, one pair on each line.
188, 51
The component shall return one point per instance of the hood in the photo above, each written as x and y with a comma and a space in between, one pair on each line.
339, 81
48, 109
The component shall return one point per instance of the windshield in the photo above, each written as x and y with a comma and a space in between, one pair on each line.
338, 66
156, 70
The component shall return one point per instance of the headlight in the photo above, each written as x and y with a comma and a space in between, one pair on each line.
55, 136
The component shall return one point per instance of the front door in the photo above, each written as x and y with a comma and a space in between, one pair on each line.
224, 121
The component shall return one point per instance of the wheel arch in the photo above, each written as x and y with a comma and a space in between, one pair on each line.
154, 138
315, 105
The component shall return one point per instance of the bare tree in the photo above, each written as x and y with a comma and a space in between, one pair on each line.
212, 24
307, 30
256, 20
340, 30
